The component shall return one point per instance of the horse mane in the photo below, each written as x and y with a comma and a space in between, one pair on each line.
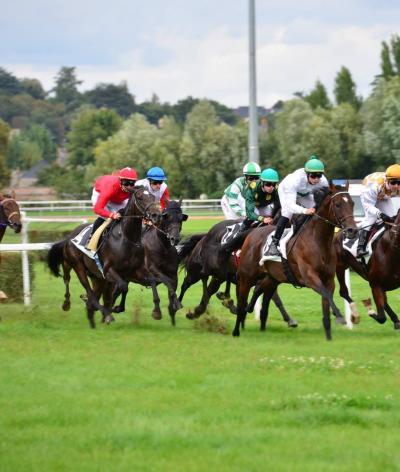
319, 195
173, 205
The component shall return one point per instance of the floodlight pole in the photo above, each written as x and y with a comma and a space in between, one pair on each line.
253, 119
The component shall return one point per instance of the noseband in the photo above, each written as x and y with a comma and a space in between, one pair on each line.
144, 210
339, 221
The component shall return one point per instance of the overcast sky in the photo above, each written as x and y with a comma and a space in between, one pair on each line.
176, 48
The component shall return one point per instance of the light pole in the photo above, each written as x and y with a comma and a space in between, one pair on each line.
253, 118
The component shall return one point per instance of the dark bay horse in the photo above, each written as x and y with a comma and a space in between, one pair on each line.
203, 259
382, 271
311, 256
161, 257
122, 254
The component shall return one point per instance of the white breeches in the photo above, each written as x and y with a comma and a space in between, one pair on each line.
111, 206
385, 206
228, 212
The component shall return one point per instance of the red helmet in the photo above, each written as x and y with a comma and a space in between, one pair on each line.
128, 173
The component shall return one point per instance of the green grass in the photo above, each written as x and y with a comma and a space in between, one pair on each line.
142, 395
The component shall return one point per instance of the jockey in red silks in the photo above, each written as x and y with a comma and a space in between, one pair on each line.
155, 184
111, 194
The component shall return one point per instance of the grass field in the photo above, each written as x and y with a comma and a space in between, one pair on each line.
142, 395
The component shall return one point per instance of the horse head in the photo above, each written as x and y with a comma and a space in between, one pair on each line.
9, 212
395, 231
336, 205
144, 204
172, 218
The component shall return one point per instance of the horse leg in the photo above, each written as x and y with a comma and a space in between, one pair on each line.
269, 290
242, 293
202, 306
380, 302
344, 292
226, 295
258, 290
188, 281
156, 313
392, 315
121, 307
67, 278
285, 315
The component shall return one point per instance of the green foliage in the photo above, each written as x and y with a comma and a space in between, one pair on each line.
40, 135
318, 97
114, 97
11, 281
4, 170
66, 88
345, 89
154, 111
23, 153
9, 84
33, 87
390, 58
68, 182
87, 130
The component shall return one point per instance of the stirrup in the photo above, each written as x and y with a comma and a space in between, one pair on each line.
273, 250
361, 253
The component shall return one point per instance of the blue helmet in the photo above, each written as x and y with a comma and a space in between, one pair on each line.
156, 173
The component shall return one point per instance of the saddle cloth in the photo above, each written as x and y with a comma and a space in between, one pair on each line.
230, 233
350, 245
81, 239
287, 234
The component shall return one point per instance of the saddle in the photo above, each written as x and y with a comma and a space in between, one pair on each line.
374, 235
287, 234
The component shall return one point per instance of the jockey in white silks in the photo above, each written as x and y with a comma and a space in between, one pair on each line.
376, 199
233, 201
296, 197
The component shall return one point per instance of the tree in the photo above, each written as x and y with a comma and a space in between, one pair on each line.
32, 87
390, 58
66, 88
318, 97
9, 84
87, 129
115, 97
40, 135
4, 137
345, 88
22, 153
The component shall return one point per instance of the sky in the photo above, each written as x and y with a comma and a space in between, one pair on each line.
177, 48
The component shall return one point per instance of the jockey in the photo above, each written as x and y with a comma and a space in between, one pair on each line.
233, 201
155, 184
379, 188
295, 194
110, 194
262, 199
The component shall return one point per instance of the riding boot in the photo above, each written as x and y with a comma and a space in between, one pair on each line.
280, 227
97, 223
362, 243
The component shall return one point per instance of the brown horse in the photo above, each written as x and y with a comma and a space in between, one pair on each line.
311, 256
382, 271
9, 214
121, 253
202, 258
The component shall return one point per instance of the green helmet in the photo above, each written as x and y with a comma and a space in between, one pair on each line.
251, 168
269, 175
314, 165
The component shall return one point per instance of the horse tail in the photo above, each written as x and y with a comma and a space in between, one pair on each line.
186, 247
55, 257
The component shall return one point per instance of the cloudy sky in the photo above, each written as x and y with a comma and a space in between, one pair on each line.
176, 48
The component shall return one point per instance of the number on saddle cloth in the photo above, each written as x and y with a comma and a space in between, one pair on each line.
230, 233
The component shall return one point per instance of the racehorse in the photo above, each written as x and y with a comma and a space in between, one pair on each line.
161, 257
311, 259
203, 259
121, 253
9, 216
381, 271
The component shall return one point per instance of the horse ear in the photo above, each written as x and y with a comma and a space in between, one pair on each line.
180, 201
13, 194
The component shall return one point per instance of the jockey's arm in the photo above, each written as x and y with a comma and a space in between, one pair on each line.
368, 199
165, 198
232, 193
103, 199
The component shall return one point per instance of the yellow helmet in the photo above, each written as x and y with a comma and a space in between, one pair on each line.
393, 172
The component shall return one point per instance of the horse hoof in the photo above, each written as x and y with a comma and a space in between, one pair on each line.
221, 296
396, 325
340, 320
292, 324
156, 315
355, 319
235, 333
108, 319
66, 306
378, 318
118, 309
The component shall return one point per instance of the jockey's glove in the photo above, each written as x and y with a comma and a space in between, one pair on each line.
385, 218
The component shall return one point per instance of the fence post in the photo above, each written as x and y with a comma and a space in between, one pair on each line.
25, 262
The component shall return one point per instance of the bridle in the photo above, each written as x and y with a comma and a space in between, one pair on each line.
144, 210
339, 221
7, 221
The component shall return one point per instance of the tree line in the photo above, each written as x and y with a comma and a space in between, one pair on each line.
201, 144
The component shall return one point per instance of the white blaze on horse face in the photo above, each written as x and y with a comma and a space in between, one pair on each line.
345, 199
146, 192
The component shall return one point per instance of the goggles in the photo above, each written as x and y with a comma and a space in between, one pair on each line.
394, 182
128, 183
315, 175
156, 182
268, 184
252, 177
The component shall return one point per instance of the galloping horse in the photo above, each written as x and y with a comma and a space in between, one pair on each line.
311, 256
122, 255
161, 257
203, 258
382, 271
9, 216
